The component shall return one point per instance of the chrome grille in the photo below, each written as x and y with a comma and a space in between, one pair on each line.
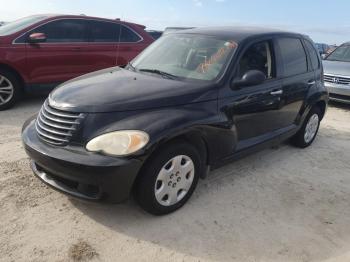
341, 80
57, 127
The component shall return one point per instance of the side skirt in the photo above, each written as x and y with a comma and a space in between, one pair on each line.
259, 143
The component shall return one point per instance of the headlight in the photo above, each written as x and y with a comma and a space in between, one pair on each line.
119, 143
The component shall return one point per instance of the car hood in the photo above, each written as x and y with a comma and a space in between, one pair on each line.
117, 89
336, 68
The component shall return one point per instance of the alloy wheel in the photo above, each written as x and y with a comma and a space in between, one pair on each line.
6, 90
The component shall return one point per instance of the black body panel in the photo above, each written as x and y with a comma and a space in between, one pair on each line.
120, 90
112, 178
229, 122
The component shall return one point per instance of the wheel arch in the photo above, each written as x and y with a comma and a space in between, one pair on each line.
193, 137
15, 72
319, 99
322, 105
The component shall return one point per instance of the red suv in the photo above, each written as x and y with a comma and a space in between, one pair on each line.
39, 52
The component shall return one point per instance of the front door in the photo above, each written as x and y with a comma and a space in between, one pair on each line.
62, 56
255, 111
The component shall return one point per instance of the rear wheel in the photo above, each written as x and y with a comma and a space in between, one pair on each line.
168, 179
9, 89
307, 133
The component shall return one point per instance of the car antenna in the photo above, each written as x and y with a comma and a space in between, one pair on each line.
118, 44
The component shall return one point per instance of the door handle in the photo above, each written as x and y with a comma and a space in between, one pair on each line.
311, 82
276, 93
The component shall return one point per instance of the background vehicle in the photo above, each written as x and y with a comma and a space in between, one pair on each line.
174, 29
155, 34
39, 52
331, 48
337, 73
322, 48
193, 100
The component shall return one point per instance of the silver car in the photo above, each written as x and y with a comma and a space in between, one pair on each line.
337, 74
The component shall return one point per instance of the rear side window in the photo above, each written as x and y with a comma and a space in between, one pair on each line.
104, 31
313, 55
293, 55
128, 35
66, 31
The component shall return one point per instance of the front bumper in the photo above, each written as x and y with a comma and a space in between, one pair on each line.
79, 173
338, 92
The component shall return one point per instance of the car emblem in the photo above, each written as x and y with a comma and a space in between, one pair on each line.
335, 80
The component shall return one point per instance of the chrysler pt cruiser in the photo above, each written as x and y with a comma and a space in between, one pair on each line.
190, 102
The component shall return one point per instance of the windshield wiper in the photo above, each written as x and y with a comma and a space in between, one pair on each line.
129, 65
159, 72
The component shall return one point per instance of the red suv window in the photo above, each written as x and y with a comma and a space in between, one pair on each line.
58, 31
129, 35
84, 30
101, 31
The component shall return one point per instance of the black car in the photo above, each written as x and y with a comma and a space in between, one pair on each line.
190, 102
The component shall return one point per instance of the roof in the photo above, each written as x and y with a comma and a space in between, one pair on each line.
237, 33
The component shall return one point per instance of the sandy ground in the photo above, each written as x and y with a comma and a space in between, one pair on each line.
281, 204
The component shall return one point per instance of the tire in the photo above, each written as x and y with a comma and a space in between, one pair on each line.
310, 126
10, 89
169, 178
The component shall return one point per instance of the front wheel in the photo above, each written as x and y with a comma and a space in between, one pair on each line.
168, 179
307, 133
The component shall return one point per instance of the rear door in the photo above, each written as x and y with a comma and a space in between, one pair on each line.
62, 56
130, 45
298, 77
103, 41
112, 44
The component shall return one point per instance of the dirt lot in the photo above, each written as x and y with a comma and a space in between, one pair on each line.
282, 204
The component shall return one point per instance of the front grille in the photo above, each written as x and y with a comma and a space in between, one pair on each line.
337, 79
57, 127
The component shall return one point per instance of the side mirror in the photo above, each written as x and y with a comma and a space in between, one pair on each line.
37, 38
250, 78
323, 56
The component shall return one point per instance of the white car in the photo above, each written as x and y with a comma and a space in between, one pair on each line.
337, 73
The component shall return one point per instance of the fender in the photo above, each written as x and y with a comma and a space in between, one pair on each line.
198, 119
14, 60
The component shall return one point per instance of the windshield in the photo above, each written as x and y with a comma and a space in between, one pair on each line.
342, 53
186, 56
18, 25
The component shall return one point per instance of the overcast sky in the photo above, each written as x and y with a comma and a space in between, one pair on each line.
324, 21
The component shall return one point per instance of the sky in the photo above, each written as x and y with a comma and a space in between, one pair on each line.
323, 20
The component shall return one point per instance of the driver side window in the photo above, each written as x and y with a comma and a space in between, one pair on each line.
258, 57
